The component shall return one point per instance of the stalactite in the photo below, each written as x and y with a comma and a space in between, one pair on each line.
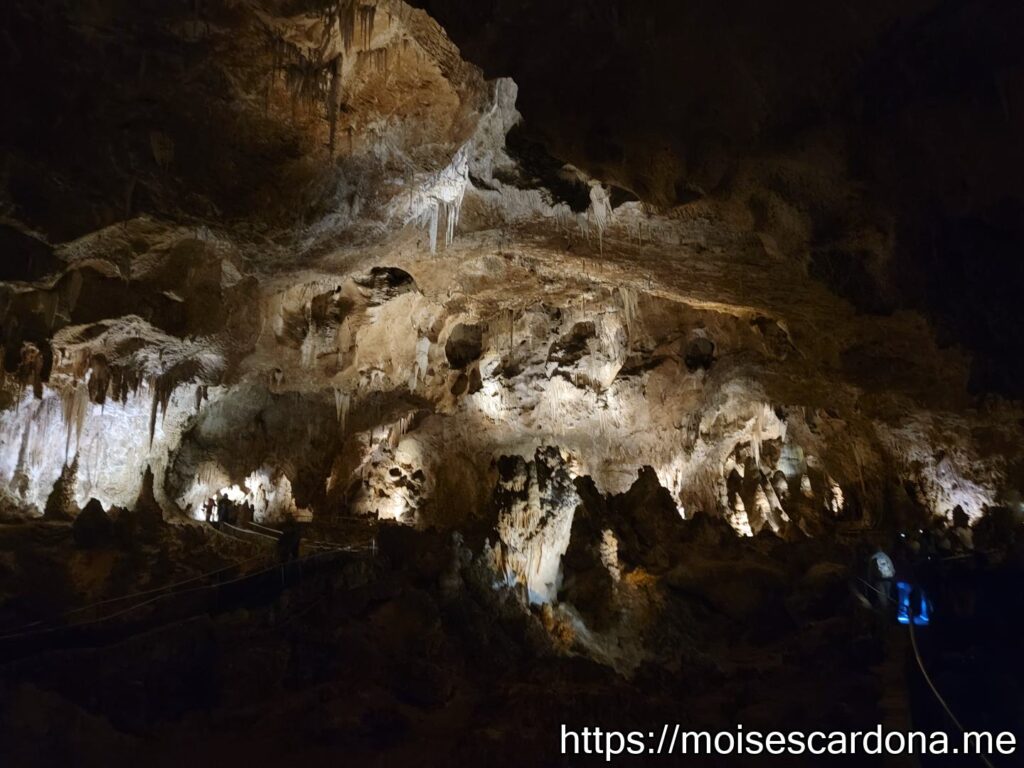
99, 380
630, 312
443, 191
334, 100
375, 58
163, 387
347, 23
80, 364
600, 212
755, 440
202, 393
433, 213
308, 81
30, 368
398, 431
451, 214
774, 501
421, 363
276, 45
75, 407
123, 382
342, 403
308, 349
367, 14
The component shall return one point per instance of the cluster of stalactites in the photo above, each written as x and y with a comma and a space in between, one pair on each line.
421, 363
93, 380
367, 14
342, 15
373, 57
313, 79
104, 379
399, 429
431, 219
442, 194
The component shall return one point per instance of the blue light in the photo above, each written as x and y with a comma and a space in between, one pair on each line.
922, 616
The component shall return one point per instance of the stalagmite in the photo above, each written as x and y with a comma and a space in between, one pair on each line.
763, 508
834, 498
610, 554
737, 517
805, 487
537, 502
60, 505
781, 485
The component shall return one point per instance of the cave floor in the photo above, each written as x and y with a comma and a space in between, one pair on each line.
394, 657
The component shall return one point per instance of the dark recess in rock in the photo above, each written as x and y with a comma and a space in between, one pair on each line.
539, 169
381, 284
700, 353
464, 345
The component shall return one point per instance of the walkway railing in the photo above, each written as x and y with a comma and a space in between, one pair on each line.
115, 618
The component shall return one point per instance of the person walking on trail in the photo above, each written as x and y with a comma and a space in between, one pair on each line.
208, 508
225, 510
961, 535
881, 573
288, 543
246, 514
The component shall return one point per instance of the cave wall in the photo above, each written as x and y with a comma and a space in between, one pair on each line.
305, 255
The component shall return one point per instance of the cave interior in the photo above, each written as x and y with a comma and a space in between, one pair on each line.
395, 382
